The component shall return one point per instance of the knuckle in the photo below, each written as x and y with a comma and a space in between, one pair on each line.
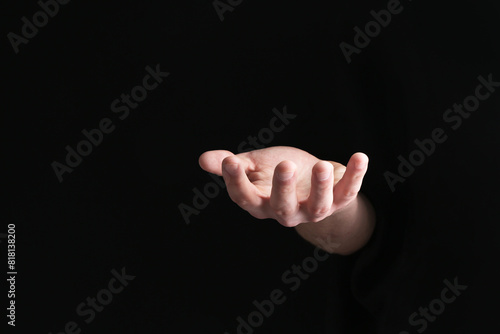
242, 201
287, 222
320, 212
259, 215
315, 219
358, 176
350, 193
285, 212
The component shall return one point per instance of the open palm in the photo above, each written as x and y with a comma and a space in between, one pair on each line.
286, 183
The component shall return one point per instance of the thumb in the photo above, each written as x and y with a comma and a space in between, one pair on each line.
211, 161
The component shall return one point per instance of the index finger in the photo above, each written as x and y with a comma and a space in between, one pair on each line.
240, 189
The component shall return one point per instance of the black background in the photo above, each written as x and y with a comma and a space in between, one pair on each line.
119, 208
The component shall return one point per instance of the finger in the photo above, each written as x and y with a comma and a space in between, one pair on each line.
211, 161
283, 200
239, 188
348, 187
320, 200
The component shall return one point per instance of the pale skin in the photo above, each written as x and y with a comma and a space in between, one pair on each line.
321, 199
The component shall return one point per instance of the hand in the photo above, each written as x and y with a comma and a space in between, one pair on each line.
287, 184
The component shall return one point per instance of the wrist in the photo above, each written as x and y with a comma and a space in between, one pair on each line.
345, 231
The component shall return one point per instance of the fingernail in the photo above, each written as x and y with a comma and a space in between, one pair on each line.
231, 168
284, 176
323, 175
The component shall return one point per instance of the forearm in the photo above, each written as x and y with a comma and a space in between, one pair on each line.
345, 231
